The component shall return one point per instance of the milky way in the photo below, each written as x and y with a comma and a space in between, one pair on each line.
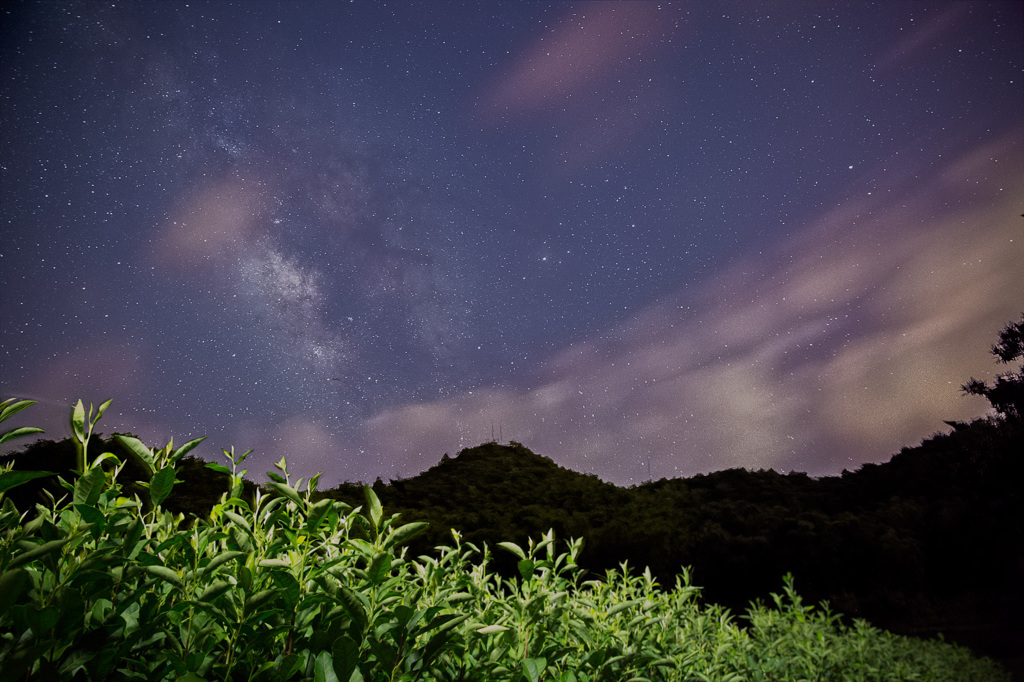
644, 239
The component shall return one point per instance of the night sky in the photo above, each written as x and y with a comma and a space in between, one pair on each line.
644, 239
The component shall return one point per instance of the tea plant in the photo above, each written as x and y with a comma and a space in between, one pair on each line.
100, 585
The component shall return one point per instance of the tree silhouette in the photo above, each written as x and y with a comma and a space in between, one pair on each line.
1006, 394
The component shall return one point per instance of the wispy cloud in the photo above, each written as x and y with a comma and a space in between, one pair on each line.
589, 75
211, 224
574, 59
848, 342
922, 36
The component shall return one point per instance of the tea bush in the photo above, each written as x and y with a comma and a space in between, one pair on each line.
99, 585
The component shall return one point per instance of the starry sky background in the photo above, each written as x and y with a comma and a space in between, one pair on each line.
644, 239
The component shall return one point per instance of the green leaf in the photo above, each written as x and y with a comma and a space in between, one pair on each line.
185, 449
491, 629
514, 548
317, 512
18, 433
433, 647
78, 421
448, 621
346, 658
89, 487
238, 520
132, 538
42, 620
323, 668
379, 567
244, 576
220, 560
215, 590
164, 573
534, 668
286, 491
91, 515
290, 588
244, 541
526, 568
236, 502
406, 616
219, 468
622, 606
238, 487
138, 453
36, 552
363, 547
275, 563
12, 584
161, 484
104, 457
12, 479
355, 603
385, 653
11, 407
405, 533
255, 601
103, 408
374, 507
130, 616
